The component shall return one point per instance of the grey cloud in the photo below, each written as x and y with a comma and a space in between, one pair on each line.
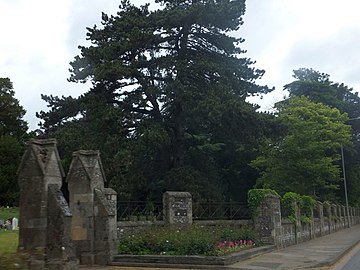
337, 55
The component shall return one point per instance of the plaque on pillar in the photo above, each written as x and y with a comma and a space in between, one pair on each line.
177, 208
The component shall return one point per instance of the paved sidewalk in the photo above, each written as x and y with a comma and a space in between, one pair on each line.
319, 253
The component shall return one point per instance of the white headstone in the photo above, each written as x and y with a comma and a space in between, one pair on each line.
15, 223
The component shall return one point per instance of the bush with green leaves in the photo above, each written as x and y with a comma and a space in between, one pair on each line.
192, 240
257, 196
306, 204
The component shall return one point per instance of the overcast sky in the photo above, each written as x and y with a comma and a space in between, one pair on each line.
40, 37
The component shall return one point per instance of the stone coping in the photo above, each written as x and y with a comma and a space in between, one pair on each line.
188, 261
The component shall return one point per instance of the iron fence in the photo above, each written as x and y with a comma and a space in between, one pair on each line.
140, 210
221, 211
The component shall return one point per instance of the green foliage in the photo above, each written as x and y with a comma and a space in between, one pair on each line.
306, 204
11, 113
12, 134
288, 201
167, 108
194, 240
256, 197
305, 158
6, 213
318, 87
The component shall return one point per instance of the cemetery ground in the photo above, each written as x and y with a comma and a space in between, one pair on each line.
9, 258
8, 238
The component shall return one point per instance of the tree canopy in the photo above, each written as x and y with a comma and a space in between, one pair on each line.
304, 159
318, 87
12, 133
167, 107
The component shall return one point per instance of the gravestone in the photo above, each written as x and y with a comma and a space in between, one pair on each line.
14, 223
177, 208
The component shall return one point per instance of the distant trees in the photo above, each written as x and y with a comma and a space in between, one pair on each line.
304, 157
12, 133
318, 87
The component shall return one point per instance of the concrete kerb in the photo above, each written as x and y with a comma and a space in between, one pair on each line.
198, 262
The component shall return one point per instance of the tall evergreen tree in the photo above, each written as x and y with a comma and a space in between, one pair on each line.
175, 78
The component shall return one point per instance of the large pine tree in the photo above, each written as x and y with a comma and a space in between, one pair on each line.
177, 83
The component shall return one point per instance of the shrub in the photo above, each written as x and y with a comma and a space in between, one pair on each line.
256, 197
306, 204
192, 240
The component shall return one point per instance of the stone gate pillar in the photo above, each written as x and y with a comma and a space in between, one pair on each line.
39, 168
177, 208
93, 225
268, 220
44, 222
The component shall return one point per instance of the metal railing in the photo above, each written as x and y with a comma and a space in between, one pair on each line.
221, 210
140, 210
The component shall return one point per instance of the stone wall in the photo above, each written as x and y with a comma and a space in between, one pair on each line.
278, 230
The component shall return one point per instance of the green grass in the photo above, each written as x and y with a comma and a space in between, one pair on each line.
8, 241
10, 259
6, 213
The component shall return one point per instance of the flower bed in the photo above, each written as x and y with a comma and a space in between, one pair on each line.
193, 240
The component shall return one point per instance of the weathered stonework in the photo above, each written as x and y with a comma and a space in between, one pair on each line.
60, 251
44, 223
93, 226
268, 220
55, 235
177, 208
39, 168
